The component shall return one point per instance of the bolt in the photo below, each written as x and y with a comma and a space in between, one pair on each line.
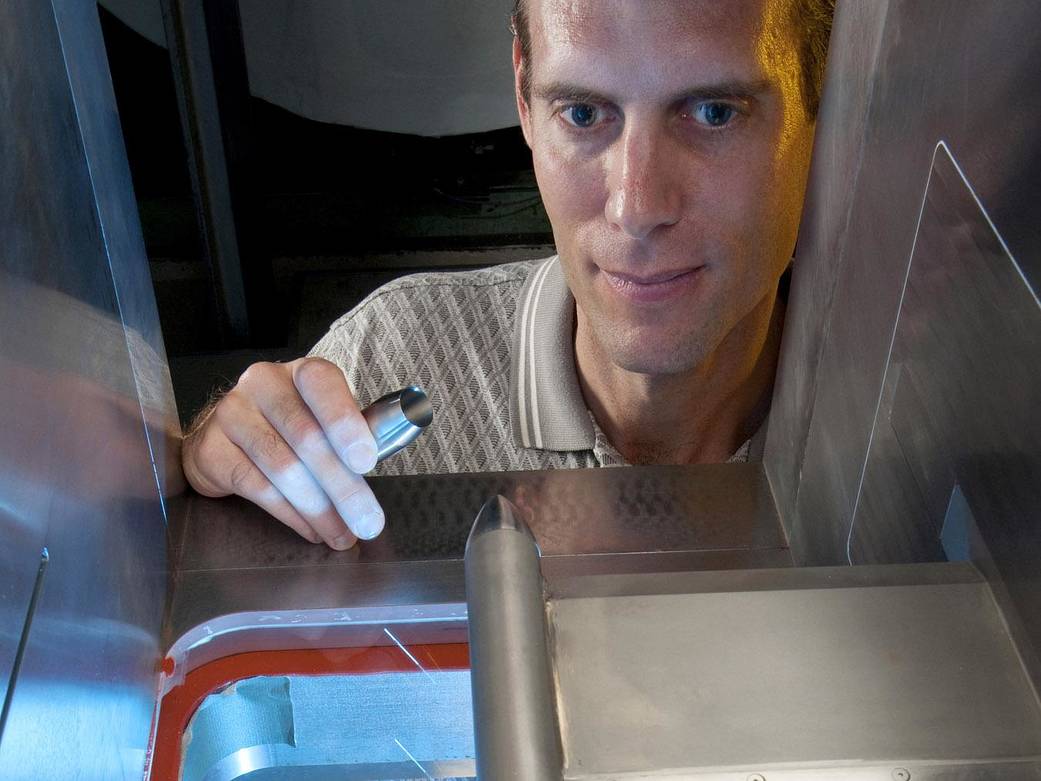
756, 777
901, 774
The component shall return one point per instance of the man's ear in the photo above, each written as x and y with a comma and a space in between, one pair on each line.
523, 109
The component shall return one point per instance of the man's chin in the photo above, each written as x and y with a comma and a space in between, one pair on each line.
654, 355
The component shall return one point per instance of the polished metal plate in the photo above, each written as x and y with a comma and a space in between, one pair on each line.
874, 667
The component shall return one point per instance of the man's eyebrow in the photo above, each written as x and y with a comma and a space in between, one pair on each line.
572, 93
744, 90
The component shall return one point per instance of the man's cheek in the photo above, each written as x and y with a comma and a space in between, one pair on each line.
547, 174
570, 182
743, 218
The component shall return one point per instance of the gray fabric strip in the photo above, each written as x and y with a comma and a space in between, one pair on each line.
547, 410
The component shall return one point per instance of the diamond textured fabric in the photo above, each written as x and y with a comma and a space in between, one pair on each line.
451, 334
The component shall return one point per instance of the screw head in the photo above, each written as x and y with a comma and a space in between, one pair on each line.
901, 774
756, 777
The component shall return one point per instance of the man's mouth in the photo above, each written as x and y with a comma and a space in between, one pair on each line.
652, 287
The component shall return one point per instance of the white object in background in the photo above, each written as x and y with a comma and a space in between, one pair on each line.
425, 67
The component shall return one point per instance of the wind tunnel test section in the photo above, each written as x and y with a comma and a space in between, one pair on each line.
863, 603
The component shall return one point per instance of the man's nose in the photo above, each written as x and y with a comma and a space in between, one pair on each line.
644, 192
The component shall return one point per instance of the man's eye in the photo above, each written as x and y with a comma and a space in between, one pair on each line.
713, 114
581, 115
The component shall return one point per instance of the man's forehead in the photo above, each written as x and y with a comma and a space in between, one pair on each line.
629, 47
589, 21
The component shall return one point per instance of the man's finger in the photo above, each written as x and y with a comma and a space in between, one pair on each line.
325, 391
247, 427
354, 501
263, 494
241, 477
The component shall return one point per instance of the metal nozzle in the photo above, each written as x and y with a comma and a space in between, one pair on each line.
396, 419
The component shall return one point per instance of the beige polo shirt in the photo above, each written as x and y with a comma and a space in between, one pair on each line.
494, 349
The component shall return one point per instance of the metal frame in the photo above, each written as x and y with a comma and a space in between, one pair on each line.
191, 58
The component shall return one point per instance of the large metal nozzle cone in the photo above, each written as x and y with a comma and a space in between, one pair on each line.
499, 514
514, 700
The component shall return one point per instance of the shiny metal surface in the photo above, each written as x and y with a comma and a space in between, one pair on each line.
343, 727
797, 673
984, 440
514, 697
912, 771
396, 419
713, 507
842, 125
864, 444
123, 242
898, 82
84, 407
235, 565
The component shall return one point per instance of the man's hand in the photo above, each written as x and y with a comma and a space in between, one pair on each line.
290, 438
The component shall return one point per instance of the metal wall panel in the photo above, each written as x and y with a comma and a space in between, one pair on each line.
842, 124
959, 410
965, 75
87, 64
76, 469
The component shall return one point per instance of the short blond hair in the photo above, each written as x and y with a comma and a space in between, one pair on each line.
812, 17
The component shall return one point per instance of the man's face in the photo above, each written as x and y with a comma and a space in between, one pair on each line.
671, 147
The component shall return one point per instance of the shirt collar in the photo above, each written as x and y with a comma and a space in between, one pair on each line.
547, 409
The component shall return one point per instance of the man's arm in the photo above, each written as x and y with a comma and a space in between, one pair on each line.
290, 438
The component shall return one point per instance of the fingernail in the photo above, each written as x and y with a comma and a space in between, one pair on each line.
343, 542
361, 457
363, 514
369, 526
